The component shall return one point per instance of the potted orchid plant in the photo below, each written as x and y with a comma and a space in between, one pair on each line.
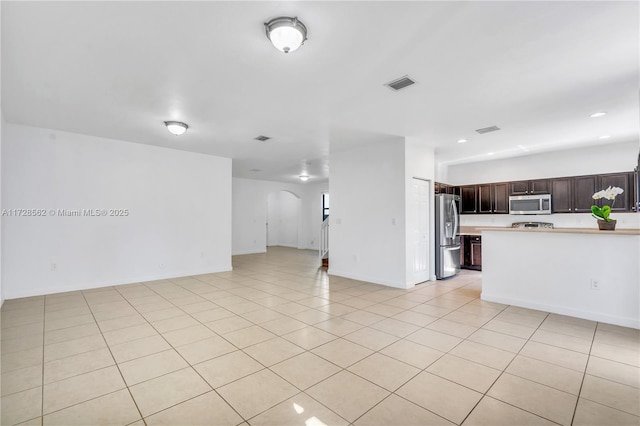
605, 223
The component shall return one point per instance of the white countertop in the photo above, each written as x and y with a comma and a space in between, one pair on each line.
593, 230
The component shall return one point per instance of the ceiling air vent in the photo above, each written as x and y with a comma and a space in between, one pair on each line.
488, 130
262, 138
400, 83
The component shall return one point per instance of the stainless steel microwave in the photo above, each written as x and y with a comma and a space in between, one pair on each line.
530, 204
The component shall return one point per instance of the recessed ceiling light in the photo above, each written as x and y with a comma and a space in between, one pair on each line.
598, 114
462, 140
605, 136
176, 127
490, 153
286, 34
304, 178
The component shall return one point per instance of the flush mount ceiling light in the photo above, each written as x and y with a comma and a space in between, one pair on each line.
176, 127
304, 178
598, 114
462, 140
605, 136
286, 34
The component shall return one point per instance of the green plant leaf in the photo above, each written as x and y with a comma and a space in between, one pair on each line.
597, 211
606, 211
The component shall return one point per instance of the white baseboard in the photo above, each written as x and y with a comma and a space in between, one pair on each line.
562, 310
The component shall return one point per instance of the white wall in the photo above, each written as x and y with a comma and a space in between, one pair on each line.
283, 219
250, 198
608, 158
367, 221
540, 274
179, 204
419, 163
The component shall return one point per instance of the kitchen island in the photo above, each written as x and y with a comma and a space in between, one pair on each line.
584, 273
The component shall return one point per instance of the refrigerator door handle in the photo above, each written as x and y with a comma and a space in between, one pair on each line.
456, 230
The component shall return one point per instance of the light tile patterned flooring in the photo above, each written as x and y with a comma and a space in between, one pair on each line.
278, 342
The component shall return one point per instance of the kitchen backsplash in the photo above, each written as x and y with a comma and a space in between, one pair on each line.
573, 220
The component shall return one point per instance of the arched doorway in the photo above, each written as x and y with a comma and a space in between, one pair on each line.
283, 218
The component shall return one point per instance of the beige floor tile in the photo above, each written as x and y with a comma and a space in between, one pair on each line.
555, 355
256, 393
249, 336
415, 318
338, 326
589, 413
166, 391
434, 339
312, 316
291, 308
610, 328
342, 352
154, 306
467, 318
434, 311
624, 340
467, 373
213, 314
491, 412
21, 344
244, 307
127, 351
509, 328
114, 408
75, 365
69, 312
614, 371
21, 380
305, 370
56, 324
151, 366
384, 371
175, 323
347, 395
76, 389
298, 410
557, 318
395, 327
262, 315
188, 335
71, 333
396, 411
384, 310
337, 309
203, 410
122, 322
412, 353
229, 324
73, 347
551, 375
616, 353
129, 334
615, 395
227, 368
273, 351
497, 340
206, 349
538, 399
370, 338
282, 326
163, 314
21, 331
445, 398
22, 359
532, 321
562, 340
198, 307
21, 406
309, 337
483, 354
568, 329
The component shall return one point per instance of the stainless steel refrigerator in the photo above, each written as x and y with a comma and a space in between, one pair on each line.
447, 235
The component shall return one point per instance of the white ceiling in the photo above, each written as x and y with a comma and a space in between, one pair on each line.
119, 69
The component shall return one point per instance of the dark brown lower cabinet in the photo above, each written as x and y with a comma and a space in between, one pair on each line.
472, 249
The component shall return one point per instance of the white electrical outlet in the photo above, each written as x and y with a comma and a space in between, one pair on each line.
595, 284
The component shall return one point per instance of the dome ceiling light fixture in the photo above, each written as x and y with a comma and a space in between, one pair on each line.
176, 127
304, 178
286, 34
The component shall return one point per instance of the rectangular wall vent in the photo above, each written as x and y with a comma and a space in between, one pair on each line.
400, 83
262, 138
488, 130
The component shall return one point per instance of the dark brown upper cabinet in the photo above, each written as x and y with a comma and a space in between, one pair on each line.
485, 199
468, 199
583, 189
623, 202
500, 198
562, 195
530, 187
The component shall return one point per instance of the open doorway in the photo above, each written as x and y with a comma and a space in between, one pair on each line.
283, 217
